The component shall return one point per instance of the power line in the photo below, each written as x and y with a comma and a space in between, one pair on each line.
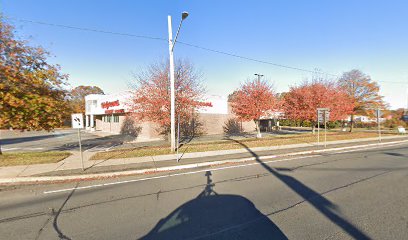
186, 44
163, 39
88, 29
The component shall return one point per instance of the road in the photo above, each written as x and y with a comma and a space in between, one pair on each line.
58, 140
346, 195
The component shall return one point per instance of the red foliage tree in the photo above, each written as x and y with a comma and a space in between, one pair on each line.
253, 100
151, 98
301, 102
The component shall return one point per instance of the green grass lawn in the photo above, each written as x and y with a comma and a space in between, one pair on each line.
232, 144
26, 158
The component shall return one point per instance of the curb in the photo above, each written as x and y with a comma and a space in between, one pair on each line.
58, 179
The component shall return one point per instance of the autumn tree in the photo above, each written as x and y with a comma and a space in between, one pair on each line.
31, 90
253, 100
151, 98
301, 102
77, 97
363, 92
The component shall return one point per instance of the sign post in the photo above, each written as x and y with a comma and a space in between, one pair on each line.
178, 137
78, 123
378, 123
323, 115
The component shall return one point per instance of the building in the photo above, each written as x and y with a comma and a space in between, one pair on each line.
107, 113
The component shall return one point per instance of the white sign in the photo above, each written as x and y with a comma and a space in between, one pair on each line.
323, 114
401, 130
77, 121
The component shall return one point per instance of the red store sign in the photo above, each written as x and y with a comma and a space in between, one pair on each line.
107, 105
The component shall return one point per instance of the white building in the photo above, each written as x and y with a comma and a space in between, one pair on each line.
107, 113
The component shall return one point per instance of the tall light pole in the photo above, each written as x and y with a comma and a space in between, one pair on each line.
184, 15
259, 76
258, 134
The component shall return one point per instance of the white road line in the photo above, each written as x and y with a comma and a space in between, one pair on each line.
214, 169
9, 149
171, 175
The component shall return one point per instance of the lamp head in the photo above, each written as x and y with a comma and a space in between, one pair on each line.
184, 15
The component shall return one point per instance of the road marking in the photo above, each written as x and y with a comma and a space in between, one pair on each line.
19, 148
217, 169
9, 149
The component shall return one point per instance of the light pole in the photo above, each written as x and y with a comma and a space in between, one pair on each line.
184, 15
259, 76
258, 134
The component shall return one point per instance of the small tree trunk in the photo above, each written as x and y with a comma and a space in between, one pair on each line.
313, 127
351, 122
257, 123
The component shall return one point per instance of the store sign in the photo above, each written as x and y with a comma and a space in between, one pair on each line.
107, 105
114, 111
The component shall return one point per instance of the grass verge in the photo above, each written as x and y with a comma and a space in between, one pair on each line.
27, 158
232, 144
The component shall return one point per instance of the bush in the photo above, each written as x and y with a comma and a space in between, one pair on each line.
394, 123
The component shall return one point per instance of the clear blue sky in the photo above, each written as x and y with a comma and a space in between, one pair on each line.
334, 36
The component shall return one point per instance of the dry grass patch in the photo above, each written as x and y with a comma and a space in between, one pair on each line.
231, 144
28, 158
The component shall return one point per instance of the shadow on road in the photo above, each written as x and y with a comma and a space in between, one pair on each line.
216, 216
320, 203
7, 141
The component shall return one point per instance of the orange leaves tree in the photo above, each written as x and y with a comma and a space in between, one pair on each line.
31, 90
253, 100
77, 97
363, 92
301, 102
151, 97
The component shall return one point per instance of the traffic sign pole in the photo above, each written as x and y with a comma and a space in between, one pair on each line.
379, 125
80, 149
325, 128
78, 123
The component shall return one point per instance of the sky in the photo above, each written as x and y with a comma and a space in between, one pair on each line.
332, 36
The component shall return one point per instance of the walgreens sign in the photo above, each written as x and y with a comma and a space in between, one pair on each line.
107, 105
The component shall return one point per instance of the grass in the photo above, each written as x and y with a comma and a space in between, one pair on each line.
231, 144
27, 158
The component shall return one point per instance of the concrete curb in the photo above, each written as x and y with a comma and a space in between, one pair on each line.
243, 150
55, 179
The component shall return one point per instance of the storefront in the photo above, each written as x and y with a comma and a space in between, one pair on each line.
107, 113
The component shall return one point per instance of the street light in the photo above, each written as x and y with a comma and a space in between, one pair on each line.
259, 76
184, 15
258, 134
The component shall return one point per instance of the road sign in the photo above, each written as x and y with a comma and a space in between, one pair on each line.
378, 113
77, 121
323, 114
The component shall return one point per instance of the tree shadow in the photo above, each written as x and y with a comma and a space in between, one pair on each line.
8, 141
216, 216
320, 203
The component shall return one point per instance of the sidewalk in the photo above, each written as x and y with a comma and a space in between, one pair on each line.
72, 164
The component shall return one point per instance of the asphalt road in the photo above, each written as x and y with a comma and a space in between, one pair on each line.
349, 195
62, 139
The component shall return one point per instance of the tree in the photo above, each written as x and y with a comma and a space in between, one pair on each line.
77, 97
151, 98
252, 100
301, 102
31, 90
363, 92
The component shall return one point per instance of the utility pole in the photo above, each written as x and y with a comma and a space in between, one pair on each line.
184, 15
258, 134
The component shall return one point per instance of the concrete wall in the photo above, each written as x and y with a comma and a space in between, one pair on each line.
211, 124
214, 123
